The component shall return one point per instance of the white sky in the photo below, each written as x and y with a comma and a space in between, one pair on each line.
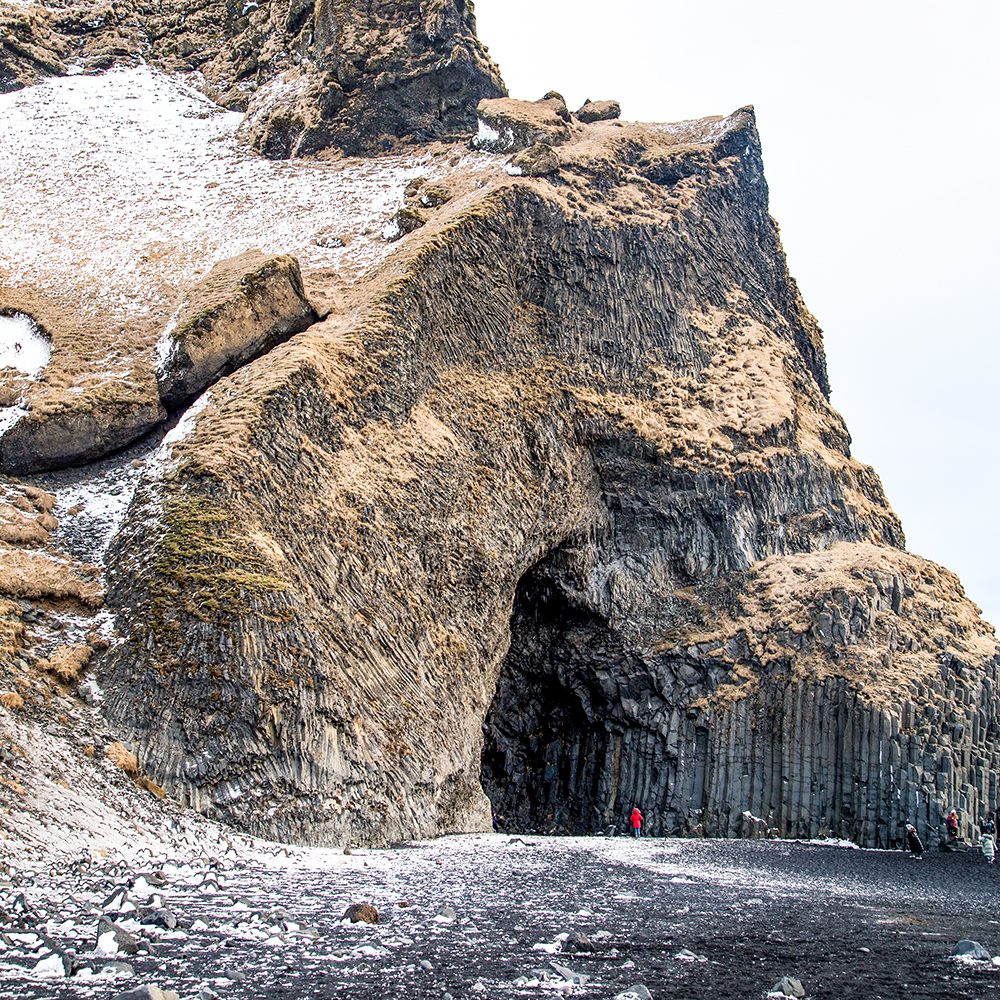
880, 134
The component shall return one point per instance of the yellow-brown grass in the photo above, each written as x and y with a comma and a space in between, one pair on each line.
122, 757
12, 700
39, 576
67, 662
151, 786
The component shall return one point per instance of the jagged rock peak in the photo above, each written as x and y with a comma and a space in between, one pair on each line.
312, 74
372, 73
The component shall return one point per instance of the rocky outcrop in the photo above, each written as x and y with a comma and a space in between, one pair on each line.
840, 701
241, 309
369, 75
311, 76
566, 469
598, 111
550, 515
538, 160
506, 125
29, 47
73, 434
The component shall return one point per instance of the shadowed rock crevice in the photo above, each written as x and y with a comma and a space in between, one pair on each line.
242, 309
551, 737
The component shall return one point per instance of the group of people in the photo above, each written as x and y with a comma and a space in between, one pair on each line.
987, 833
987, 836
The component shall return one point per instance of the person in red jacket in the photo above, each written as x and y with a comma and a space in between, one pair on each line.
636, 818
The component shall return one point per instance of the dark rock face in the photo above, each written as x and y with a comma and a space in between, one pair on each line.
598, 111
582, 727
566, 467
311, 75
369, 74
71, 437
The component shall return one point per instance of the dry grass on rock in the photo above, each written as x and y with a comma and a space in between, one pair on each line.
877, 616
122, 757
12, 700
67, 663
40, 576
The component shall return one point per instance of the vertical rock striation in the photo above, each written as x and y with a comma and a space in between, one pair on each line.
556, 506
550, 515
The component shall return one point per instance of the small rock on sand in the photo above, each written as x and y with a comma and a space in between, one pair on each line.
787, 986
361, 913
970, 950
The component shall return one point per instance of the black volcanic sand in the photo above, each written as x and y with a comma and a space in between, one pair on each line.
753, 911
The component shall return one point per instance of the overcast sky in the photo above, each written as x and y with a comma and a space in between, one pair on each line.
879, 126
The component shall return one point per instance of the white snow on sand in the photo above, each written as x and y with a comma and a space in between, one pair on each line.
22, 346
126, 187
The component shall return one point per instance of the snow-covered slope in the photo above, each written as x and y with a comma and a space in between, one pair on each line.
123, 188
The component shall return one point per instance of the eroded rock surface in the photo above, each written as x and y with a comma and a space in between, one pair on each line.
507, 125
73, 435
550, 515
241, 309
598, 111
162, 192
371, 74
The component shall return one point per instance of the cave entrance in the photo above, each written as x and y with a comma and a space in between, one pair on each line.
551, 744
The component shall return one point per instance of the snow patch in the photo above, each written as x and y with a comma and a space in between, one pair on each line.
50, 967
9, 416
848, 845
159, 462
166, 345
91, 691
99, 505
493, 140
22, 345
107, 944
161, 189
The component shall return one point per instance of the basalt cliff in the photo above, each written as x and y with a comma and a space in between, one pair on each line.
361, 497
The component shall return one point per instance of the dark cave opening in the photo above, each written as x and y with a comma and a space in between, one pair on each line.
551, 747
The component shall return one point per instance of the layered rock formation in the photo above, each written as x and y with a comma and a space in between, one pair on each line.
550, 513
241, 309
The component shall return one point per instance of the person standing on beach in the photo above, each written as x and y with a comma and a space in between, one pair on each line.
913, 842
951, 824
987, 839
636, 819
